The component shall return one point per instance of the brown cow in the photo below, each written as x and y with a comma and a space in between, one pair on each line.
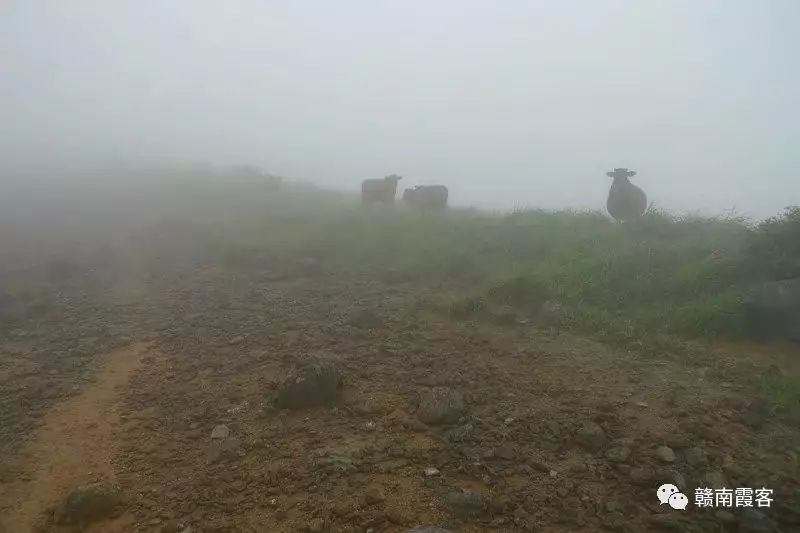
426, 197
626, 201
379, 190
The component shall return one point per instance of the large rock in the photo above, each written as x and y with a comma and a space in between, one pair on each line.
440, 405
88, 504
310, 384
467, 503
591, 437
773, 309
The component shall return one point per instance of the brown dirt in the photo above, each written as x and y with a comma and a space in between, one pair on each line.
74, 446
222, 342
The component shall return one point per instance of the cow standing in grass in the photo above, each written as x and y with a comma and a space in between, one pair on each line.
426, 197
379, 190
626, 201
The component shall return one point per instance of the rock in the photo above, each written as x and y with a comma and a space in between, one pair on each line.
431, 472
310, 384
752, 521
316, 526
220, 431
374, 495
459, 434
666, 454
236, 340
695, 456
613, 520
427, 529
365, 319
757, 413
440, 405
618, 454
714, 479
467, 503
505, 451
89, 503
678, 479
678, 440
642, 475
223, 449
772, 310
591, 437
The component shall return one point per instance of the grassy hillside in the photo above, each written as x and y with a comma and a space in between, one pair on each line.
632, 284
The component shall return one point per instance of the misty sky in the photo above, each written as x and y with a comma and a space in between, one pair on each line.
514, 102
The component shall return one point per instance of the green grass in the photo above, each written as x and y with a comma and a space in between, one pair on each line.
782, 392
666, 277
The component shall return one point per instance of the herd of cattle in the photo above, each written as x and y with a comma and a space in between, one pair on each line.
625, 202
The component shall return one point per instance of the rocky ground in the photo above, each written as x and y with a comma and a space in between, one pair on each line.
208, 400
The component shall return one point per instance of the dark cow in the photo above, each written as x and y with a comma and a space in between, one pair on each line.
379, 190
426, 197
626, 201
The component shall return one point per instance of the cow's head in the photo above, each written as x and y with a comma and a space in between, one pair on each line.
621, 173
393, 177
408, 196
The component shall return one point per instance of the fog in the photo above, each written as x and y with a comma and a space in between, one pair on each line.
512, 103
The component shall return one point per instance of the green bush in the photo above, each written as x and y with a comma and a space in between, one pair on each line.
775, 245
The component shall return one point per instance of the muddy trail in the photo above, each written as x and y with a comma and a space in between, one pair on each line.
165, 387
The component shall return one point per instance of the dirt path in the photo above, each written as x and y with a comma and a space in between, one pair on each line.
75, 445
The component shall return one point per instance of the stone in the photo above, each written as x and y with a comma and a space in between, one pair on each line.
459, 434
220, 431
714, 479
316, 526
678, 440
505, 451
467, 503
591, 437
88, 504
223, 449
695, 456
374, 495
440, 405
678, 479
236, 340
666, 454
431, 472
427, 529
310, 384
618, 454
642, 475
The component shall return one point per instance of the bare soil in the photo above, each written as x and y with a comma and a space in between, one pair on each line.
127, 380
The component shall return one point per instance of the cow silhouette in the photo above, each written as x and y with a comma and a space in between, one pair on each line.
380, 191
426, 197
626, 201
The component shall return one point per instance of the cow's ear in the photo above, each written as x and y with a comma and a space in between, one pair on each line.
632, 173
